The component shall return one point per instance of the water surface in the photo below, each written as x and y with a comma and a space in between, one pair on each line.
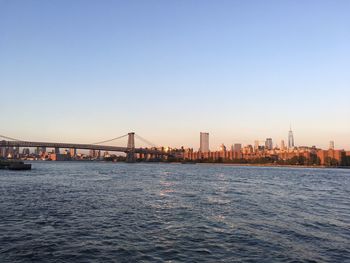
107, 212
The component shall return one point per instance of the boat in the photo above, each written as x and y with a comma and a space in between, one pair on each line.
19, 166
15, 165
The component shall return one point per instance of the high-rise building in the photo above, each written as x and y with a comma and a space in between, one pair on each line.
256, 145
237, 147
268, 144
331, 145
283, 145
290, 139
204, 142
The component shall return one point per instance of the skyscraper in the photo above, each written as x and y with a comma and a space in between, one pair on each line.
331, 145
204, 142
283, 146
237, 147
268, 144
290, 139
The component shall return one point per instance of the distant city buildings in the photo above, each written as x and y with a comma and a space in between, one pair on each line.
268, 144
298, 155
73, 152
95, 154
265, 152
222, 147
302, 155
256, 145
204, 142
237, 147
283, 145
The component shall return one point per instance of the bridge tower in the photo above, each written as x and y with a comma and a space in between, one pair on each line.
130, 154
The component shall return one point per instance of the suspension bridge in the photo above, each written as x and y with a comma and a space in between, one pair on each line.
130, 150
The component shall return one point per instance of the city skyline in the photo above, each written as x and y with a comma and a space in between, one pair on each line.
204, 145
266, 153
83, 70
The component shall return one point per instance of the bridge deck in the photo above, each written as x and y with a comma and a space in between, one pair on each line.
28, 144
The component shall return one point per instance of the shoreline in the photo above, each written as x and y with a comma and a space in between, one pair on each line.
269, 165
217, 164
278, 165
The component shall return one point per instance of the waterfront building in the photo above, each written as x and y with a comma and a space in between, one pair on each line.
25, 151
204, 142
58, 157
73, 152
42, 150
331, 156
3, 151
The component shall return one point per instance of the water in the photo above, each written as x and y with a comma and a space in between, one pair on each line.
106, 212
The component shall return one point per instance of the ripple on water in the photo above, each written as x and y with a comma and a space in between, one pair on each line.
103, 212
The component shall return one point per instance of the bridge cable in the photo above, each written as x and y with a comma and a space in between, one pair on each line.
111, 139
145, 141
9, 138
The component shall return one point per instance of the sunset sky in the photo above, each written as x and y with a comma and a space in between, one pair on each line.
84, 71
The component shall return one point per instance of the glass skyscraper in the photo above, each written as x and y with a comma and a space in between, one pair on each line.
290, 139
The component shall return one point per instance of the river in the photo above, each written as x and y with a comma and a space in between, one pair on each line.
117, 212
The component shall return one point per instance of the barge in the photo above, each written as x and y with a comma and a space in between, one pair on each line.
15, 165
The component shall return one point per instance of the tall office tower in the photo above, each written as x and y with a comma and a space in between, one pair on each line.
237, 147
331, 145
204, 142
290, 139
268, 144
283, 145
256, 145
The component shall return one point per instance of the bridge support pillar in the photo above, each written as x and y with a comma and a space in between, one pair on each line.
130, 154
130, 157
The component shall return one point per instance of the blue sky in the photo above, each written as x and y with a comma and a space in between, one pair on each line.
82, 71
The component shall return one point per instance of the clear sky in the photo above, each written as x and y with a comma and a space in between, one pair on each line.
82, 71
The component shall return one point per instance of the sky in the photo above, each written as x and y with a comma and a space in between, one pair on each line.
242, 70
